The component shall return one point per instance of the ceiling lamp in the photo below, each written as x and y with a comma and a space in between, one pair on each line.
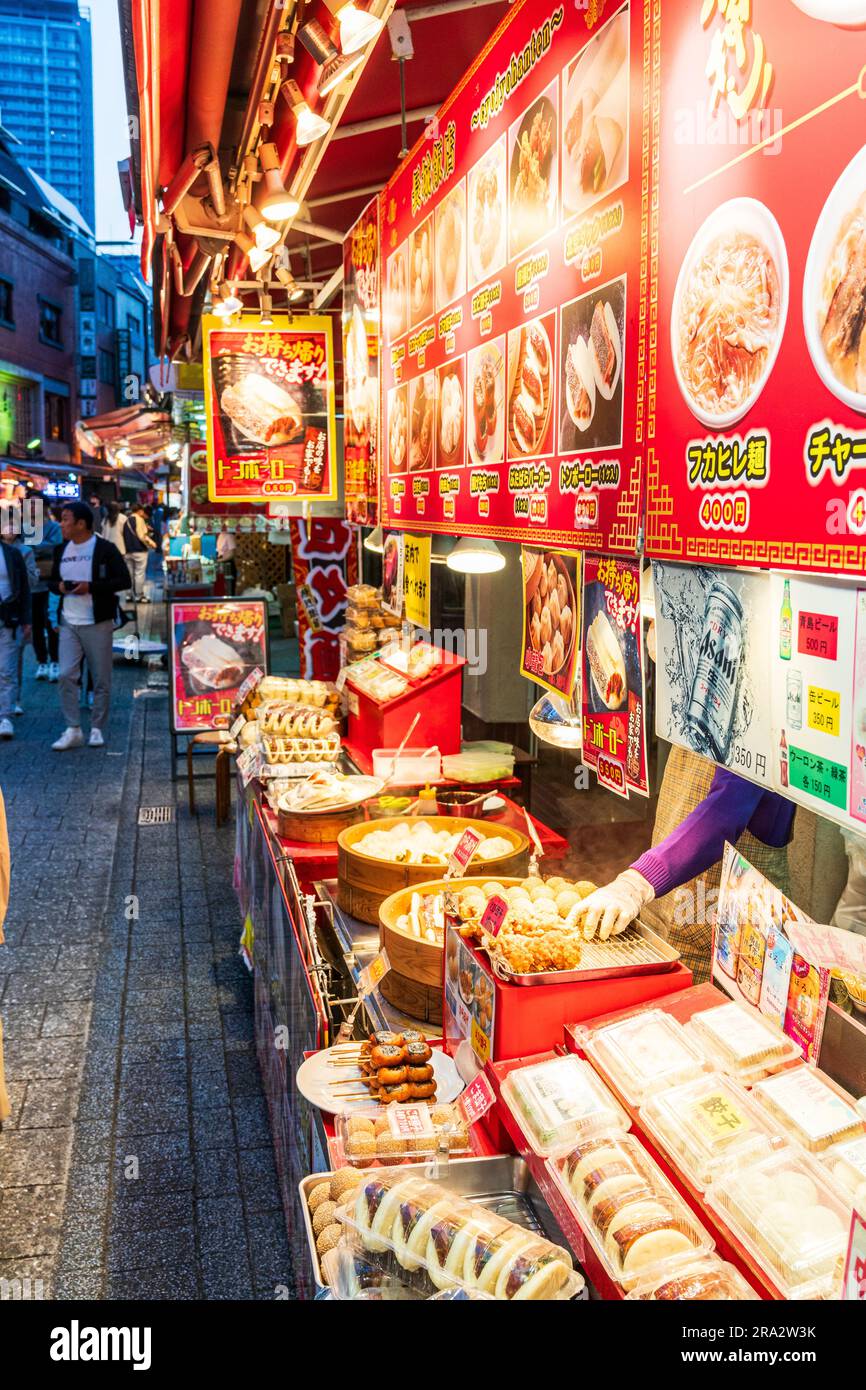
221, 309
231, 300
290, 284
256, 256
277, 205
335, 66
308, 126
558, 721
266, 307
474, 555
357, 26
375, 541
266, 237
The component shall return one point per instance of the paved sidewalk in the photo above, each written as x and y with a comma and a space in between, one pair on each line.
137, 1162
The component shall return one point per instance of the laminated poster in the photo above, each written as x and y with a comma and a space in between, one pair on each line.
613, 696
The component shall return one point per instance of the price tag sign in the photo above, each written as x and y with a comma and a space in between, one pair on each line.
252, 681
463, 852
410, 1122
342, 677
476, 1100
238, 725
494, 914
854, 1284
372, 974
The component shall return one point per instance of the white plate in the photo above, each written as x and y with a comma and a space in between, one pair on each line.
354, 789
743, 215
316, 1077
479, 269
846, 192
847, 13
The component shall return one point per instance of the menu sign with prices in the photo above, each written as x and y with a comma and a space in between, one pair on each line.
811, 690
416, 580
494, 914
551, 619
410, 1122
515, 242
216, 644
372, 975
712, 640
756, 962
469, 1012
756, 434
271, 422
477, 1099
361, 327
458, 860
613, 697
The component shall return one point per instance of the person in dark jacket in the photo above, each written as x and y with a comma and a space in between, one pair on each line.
88, 574
15, 619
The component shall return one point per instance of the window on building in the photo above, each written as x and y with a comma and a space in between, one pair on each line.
7, 313
106, 367
56, 417
50, 323
134, 325
105, 307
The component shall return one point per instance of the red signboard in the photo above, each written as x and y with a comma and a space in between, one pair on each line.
215, 646
361, 327
515, 249
757, 440
818, 634
269, 396
325, 563
613, 698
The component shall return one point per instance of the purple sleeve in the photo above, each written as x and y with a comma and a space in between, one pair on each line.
699, 841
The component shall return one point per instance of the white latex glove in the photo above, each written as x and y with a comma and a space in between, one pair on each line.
609, 910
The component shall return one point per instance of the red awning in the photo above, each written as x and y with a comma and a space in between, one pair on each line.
134, 428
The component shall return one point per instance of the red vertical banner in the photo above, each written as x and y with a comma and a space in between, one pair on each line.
614, 704
361, 330
325, 563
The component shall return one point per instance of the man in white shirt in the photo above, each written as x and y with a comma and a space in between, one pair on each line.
88, 573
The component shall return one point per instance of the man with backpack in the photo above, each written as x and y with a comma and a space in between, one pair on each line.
138, 543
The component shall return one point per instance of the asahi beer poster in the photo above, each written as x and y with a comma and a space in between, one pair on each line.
515, 249
756, 440
811, 686
361, 328
712, 639
215, 644
269, 397
550, 649
613, 699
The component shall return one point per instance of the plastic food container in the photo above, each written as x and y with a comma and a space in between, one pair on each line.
738, 1041
707, 1124
432, 1240
643, 1054
845, 1167
560, 1101
790, 1219
808, 1109
373, 1135
695, 1281
414, 765
635, 1220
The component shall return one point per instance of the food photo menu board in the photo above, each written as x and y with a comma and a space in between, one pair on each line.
361, 315
515, 255
757, 439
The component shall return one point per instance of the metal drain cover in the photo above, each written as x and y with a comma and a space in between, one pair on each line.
155, 815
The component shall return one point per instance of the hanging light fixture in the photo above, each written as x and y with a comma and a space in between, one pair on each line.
290, 284
357, 26
231, 300
266, 308
475, 555
335, 66
308, 125
375, 542
256, 256
266, 237
277, 205
221, 309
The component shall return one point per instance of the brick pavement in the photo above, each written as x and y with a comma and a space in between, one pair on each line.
137, 1162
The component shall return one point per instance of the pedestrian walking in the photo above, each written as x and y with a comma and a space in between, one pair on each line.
138, 543
15, 612
100, 513
5, 1106
44, 631
115, 524
14, 538
89, 572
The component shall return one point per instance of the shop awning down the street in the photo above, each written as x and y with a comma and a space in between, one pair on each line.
133, 434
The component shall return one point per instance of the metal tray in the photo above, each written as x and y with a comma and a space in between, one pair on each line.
638, 951
503, 1183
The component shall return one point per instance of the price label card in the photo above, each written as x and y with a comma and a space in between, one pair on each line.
372, 974
854, 1285
494, 914
824, 707
238, 725
818, 635
342, 677
410, 1122
463, 852
476, 1100
250, 765
247, 686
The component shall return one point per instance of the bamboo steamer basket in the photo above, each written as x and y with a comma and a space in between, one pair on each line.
317, 827
363, 883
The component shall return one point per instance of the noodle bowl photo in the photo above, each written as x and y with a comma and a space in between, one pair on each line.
729, 311
834, 288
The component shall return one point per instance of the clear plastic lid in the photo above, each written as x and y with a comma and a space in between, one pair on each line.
790, 1219
845, 1168
809, 1109
560, 1101
432, 1239
643, 1054
705, 1279
738, 1041
708, 1123
374, 1135
635, 1220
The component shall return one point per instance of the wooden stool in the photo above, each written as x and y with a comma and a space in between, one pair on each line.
224, 746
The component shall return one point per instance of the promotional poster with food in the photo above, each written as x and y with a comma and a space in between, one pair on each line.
361, 332
514, 342
551, 619
614, 705
269, 394
214, 647
758, 430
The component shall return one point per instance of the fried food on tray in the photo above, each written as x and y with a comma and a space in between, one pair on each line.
548, 950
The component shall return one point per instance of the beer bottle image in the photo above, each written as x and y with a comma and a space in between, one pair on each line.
715, 683
783, 760
786, 624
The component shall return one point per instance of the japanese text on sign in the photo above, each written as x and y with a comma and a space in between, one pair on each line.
818, 635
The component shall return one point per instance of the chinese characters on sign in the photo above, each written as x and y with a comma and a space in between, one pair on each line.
215, 646
325, 562
613, 700
269, 396
361, 341
416, 579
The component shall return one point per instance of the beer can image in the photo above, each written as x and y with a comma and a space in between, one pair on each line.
715, 686
794, 699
